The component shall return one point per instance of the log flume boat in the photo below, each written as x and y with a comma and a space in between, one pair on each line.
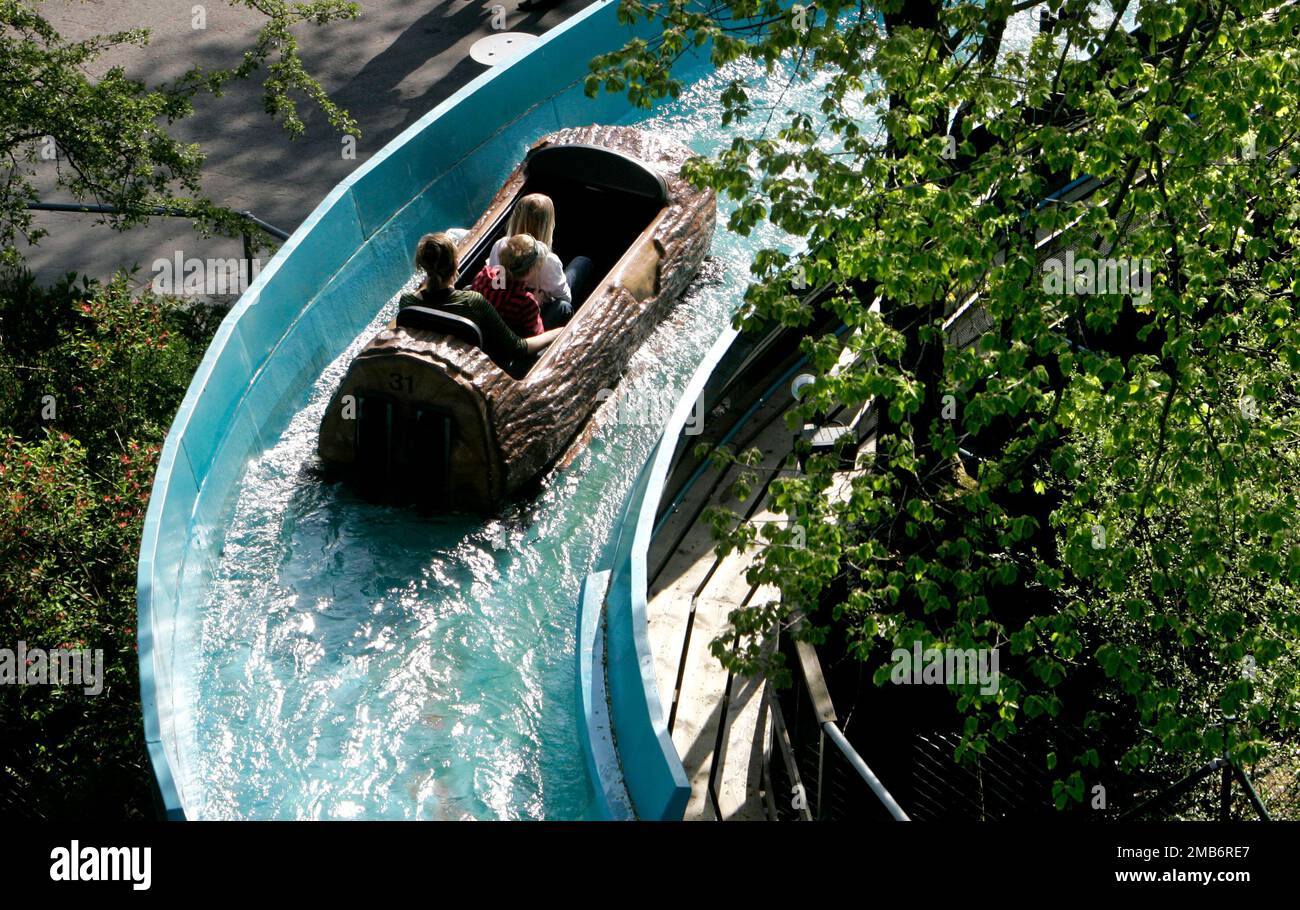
425, 415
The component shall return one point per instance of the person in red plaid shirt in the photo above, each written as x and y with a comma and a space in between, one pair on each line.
504, 285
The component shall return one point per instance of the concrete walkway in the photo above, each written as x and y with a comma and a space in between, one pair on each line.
388, 68
719, 722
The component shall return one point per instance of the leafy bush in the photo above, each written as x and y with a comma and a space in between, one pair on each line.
90, 377
1104, 488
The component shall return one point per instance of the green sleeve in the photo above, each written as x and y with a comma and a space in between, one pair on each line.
497, 336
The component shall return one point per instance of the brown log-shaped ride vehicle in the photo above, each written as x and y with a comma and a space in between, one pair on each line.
425, 416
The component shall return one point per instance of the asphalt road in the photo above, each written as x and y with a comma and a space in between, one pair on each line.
388, 67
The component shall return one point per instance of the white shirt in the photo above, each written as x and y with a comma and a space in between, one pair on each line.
547, 277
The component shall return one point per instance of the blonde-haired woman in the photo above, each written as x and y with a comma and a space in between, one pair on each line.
556, 286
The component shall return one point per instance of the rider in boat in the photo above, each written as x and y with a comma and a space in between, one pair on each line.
436, 255
558, 288
506, 285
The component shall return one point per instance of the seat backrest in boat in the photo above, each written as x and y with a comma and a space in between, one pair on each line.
431, 320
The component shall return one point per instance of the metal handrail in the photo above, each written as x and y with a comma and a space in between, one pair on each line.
167, 211
96, 208
1231, 771
810, 669
864, 771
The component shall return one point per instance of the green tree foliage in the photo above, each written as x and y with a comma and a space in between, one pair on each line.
1113, 501
113, 134
89, 378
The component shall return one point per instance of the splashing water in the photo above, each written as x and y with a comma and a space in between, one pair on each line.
359, 660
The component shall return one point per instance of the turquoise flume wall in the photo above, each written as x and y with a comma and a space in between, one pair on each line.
313, 298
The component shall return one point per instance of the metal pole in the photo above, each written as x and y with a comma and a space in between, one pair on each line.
782, 736
865, 773
248, 261
1250, 792
821, 771
271, 229
1225, 794
1177, 789
765, 727
1225, 785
